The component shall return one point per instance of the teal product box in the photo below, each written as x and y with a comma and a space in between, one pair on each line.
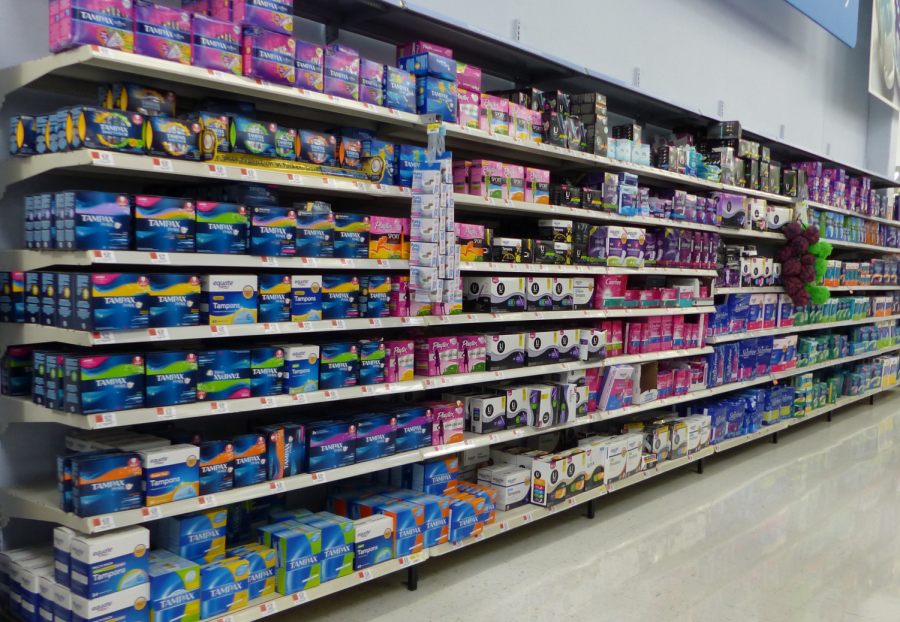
33, 298
174, 590
164, 224
301, 369
336, 553
16, 371
374, 541
263, 568
429, 64
351, 236
330, 445
126, 606
103, 564
100, 220
228, 299
272, 231
106, 483
12, 297
340, 297
112, 302
306, 298
399, 89
436, 96
198, 537
224, 587
249, 459
174, 300
111, 130
170, 474
171, 379
299, 552
274, 298
285, 144
223, 375
222, 228
376, 436
315, 235
266, 372
371, 362
48, 298
374, 296
339, 366
408, 160
251, 137
99, 384
65, 299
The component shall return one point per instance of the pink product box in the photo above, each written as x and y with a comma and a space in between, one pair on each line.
664, 382
537, 186
371, 82
668, 297
634, 338
648, 298
632, 297
678, 332
422, 47
448, 422
479, 176
472, 353
468, 108
107, 23
515, 182
308, 64
273, 15
341, 72
468, 77
609, 287
217, 44
437, 356
399, 298
198, 7
268, 55
494, 115
665, 333
461, 177
653, 334
682, 381
399, 364
162, 32
53, 24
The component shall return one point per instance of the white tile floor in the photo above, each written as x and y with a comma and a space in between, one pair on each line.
807, 530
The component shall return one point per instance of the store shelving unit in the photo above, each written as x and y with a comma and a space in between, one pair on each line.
71, 71
778, 289
789, 330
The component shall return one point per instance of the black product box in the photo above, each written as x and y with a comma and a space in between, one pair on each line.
592, 198
764, 177
666, 158
565, 195
739, 172
550, 252
554, 129
511, 250
574, 133
631, 132
556, 101
588, 98
533, 99
751, 174
596, 138
742, 148
725, 129
765, 154
775, 177
790, 183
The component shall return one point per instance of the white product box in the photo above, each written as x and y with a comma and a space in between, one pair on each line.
540, 405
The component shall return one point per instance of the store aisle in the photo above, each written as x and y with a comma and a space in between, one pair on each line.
802, 531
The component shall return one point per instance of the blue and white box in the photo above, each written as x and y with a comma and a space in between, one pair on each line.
374, 542
62, 552
306, 298
228, 299
274, 298
198, 537
171, 379
330, 445
267, 372
126, 606
301, 369
170, 474
174, 300
109, 563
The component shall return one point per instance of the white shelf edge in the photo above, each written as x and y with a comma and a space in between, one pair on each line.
847, 212
539, 269
779, 289
788, 330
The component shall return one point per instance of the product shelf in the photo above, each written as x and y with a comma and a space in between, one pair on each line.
587, 314
788, 330
847, 212
40, 501
144, 168
100, 65
534, 268
780, 289
758, 194
36, 260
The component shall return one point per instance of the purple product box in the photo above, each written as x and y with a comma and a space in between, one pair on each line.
341, 75
468, 77
268, 55
698, 251
472, 353
371, 81
162, 32
399, 89
671, 254
685, 247
274, 15
308, 66
421, 47
399, 361
107, 23
651, 249
635, 246
217, 45
437, 356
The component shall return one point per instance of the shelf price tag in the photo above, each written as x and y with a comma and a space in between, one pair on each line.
518, 432
499, 375
163, 165
102, 523
277, 486
374, 323
104, 257
102, 158
218, 75
300, 598
219, 331
154, 513
219, 407
226, 619
308, 262
384, 263
206, 500
304, 327
160, 259
346, 263
158, 334
269, 262
272, 329
411, 560
103, 338
493, 438
105, 420
504, 526
526, 518
330, 396
217, 170
102, 51
268, 608
249, 174
319, 478
338, 325
381, 189
295, 180
299, 398
364, 575
267, 402
166, 413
